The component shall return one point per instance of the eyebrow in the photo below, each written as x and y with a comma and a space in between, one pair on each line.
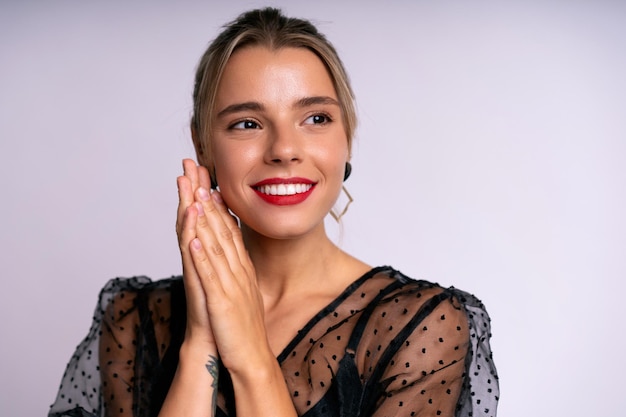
237, 107
256, 106
310, 101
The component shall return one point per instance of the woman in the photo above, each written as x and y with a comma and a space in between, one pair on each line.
270, 317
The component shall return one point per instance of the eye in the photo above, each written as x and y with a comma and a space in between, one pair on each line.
245, 124
318, 119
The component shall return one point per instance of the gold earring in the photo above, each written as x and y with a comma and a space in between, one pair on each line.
337, 215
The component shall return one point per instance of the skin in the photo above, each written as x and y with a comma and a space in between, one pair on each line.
245, 284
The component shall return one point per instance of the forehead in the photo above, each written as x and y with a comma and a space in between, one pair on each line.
263, 74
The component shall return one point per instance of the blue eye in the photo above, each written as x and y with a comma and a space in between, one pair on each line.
245, 124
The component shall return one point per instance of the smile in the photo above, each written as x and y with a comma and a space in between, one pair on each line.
284, 189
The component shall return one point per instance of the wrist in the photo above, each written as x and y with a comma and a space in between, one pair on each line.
262, 389
191, 352
258, 370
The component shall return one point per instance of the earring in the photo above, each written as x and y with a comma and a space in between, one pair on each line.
337, 214
348, 171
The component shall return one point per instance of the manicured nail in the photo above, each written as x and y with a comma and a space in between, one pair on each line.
217, 197
203, 193
196, 244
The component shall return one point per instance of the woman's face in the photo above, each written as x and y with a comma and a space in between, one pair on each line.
278, 141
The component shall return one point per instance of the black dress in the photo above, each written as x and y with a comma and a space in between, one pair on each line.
387, 346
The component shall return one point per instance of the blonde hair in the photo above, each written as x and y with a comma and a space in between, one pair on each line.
270, 28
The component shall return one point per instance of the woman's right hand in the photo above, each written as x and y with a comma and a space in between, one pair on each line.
193, 392
198, 332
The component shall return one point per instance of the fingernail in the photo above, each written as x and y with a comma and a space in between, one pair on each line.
200, 209
196, 243
217, 197
203, 193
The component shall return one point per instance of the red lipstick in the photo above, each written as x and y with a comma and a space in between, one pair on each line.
284, 191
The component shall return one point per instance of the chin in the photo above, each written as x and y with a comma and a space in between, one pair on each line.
284, 229
280, 222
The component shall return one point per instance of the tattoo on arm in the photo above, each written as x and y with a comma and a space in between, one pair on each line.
213, 367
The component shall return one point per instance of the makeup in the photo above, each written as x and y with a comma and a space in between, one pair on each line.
284, 191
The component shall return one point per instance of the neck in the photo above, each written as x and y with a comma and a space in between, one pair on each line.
288, 266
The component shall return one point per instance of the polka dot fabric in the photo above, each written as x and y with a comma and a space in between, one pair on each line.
387, 346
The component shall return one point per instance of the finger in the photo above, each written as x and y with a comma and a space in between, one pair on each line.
215, 235
204, 178
185, 199
194, 292
207, 275
188, 233
190, 170
233, 226
187, 184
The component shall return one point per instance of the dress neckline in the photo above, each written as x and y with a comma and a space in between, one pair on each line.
329, 308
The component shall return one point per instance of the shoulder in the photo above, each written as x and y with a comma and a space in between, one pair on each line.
410, 306
426, 339
121, 295
450, 326
99, 365
421, 300
121, 286
409, 312
420, 316
409, 291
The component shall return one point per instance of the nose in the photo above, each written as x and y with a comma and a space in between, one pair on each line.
283, 145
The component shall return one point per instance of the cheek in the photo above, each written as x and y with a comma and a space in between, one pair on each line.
233, 162
335, 156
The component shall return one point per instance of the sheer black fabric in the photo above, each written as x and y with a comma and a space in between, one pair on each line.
387, 346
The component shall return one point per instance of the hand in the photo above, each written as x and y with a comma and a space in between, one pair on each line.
193, 391
198, 329
225, 311
227, 276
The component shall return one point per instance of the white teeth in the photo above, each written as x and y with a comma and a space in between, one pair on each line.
284, 189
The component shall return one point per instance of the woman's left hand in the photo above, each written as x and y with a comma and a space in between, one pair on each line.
229, 282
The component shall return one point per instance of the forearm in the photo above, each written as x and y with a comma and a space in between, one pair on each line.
193, 392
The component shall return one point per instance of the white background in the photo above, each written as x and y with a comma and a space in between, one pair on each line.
490, 156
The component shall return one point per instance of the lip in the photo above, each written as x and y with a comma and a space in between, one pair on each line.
284, 200
291, 180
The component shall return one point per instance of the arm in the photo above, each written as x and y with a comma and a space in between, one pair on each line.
222, 290
117, 354
88, 377
236, 310
194, 388
426, 374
